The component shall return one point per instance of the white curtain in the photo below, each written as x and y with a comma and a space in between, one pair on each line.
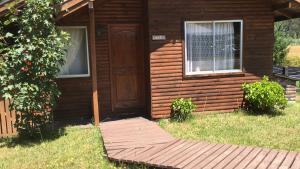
76, 58
224, 46
199, 42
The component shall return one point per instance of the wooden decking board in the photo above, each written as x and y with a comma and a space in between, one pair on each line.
249, 158
288, 161
268, 159
203, 156
173, 153
229, 158
258, 159
220, 158
142, 142
278, 160
296, 164
239, 158
133, 156
162, 152
213, 156
196, 155
198, 149
176, 158
153, 151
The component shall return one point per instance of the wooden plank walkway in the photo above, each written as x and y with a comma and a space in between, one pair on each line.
141, 141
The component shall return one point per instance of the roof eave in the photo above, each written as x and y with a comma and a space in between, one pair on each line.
66, 8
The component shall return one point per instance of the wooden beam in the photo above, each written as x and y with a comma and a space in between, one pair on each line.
69, 7
94, 63
4, 8
66, 8
287, 5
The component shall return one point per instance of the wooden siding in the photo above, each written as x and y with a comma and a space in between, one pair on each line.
76, 99
77, 92
210, 93
7, 119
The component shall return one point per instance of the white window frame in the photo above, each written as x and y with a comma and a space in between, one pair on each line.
87, 52
214, 71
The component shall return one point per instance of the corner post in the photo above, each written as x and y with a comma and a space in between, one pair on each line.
94, 63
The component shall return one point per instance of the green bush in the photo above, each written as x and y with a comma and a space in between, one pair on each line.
181, 109
264, 96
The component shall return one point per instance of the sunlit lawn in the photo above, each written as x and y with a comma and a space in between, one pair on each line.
82, 148
77, 148
279, 132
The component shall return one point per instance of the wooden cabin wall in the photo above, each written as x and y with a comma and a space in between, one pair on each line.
210, 93
76, 99
77, 92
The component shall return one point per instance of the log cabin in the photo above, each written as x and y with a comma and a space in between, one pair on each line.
134, 57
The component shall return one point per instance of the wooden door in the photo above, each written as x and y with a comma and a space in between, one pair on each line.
127, 69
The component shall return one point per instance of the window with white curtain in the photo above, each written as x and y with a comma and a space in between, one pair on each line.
77, 57
213, 47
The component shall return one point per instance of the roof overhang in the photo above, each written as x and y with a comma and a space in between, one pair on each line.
286, 9
283, 9
66, 8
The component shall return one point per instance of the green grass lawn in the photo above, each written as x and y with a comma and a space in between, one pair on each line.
82, 148
77, 148
279, 132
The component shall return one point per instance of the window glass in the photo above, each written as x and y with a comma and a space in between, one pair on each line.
76, 64
213, 46
227, 45
199, 40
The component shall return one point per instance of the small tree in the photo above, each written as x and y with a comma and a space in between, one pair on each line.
30, 64
281, 45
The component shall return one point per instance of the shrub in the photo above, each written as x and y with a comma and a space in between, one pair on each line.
31, 63
264, 96
181, 109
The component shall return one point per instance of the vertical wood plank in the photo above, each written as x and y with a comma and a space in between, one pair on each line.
8, 117
3, 118
14, 116
1, 110
94, 63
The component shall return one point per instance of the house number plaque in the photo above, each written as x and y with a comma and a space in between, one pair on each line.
158, 37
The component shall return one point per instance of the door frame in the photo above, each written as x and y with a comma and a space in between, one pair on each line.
142, 34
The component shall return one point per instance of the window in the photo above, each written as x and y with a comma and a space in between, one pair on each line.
213, 47
77, 57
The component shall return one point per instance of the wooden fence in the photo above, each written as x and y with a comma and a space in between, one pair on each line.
7, 120
287, 77
289, 72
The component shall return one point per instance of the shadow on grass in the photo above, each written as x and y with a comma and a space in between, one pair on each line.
53, 132
45, 136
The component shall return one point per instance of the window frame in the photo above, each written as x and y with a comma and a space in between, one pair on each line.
186, 73
87, 55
